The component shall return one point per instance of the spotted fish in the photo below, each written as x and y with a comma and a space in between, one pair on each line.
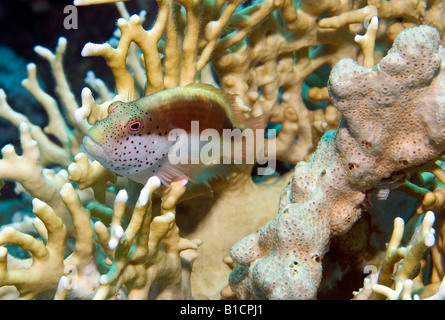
134, 140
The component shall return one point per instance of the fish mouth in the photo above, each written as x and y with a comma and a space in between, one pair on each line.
94, 149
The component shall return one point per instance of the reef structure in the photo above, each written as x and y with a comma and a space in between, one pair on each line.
392, 120
268, 53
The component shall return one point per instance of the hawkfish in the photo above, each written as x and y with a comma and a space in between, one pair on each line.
139, 139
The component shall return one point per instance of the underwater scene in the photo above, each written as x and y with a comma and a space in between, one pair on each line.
222, 150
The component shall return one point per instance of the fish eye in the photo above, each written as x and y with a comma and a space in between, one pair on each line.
113, 106
135, 126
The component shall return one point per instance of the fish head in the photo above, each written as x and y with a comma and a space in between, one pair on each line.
127, 141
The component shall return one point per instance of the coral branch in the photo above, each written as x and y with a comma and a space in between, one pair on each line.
367, 42
83, 259
396, 282
47, 262
26, 170
51, 152
138, 262
63, 90
88, 173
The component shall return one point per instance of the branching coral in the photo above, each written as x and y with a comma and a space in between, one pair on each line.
422, 239
41, 274
47, 262
137, 259
401, 265
145, 270
26, 169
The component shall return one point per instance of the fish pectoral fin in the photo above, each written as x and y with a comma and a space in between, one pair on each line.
173, 172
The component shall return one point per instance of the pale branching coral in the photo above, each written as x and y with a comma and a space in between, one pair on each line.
438, 251
135, 255
401, 264
260, 69
56, 144
88, 173
60, 153
27, 170
145, 270
422, 239
40, 275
